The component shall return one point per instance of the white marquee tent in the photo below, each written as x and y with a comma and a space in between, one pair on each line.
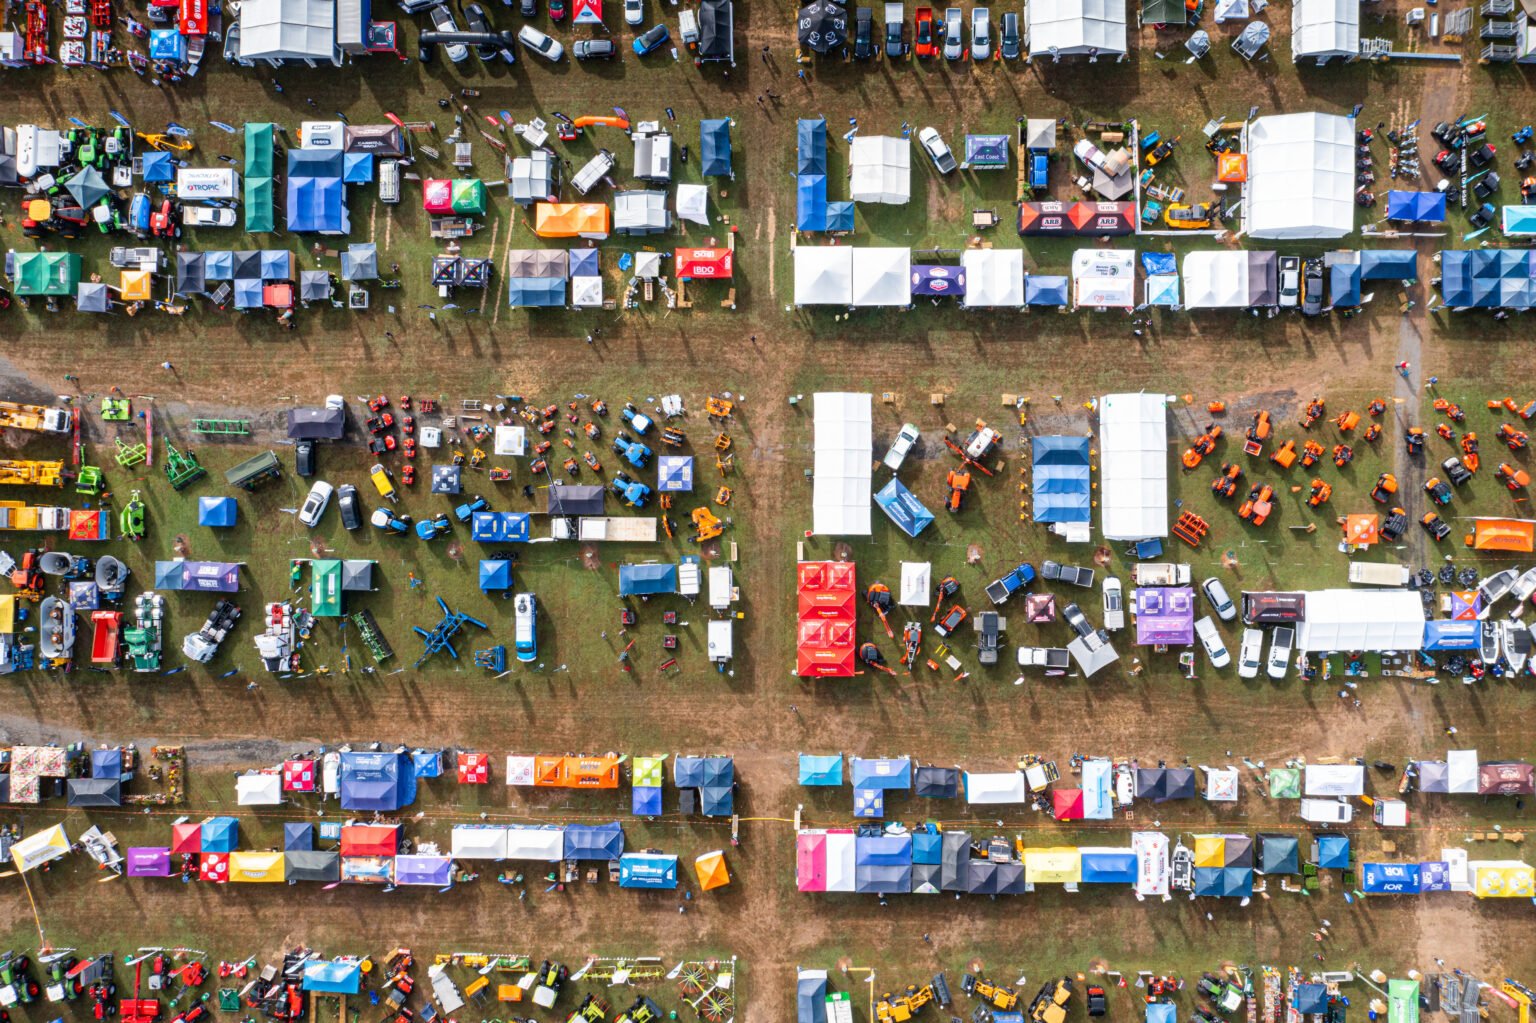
536, 843
1334, 780
1461, 773
882, 169
1301, 177
823, 275
840, 500
993, 277
1216, 280
1322, 29
1133, 490
287, 29
882, 277
1074, 27
693, 203
258, 790
479, 842
1104, 278
994, 789
1361, 620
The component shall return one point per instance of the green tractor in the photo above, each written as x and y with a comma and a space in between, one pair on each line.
182, 467
130, 522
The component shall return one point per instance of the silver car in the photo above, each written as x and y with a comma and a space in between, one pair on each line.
981, 34
937, 149
442, 21
954, 33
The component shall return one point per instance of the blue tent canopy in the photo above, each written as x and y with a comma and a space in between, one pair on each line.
535, 292
218, 265
1279, 854
298, 836
1389, 878
840, 215
1332, 852
1224, 882
1109, 867
816, 769
986, 152
902, 507
376, 781
1434, 876
594, 841
495, 575
1310, 999
1156, 263
883, 864
881, 773
1344, 284
811, 202
499, 527
645, 801
647, 580
317, 198
1519, 221
696, 772
167, 44
811, 998
248, 293
715, 148
584, 263
427, 763
333, 978
158, 167
427, 871
927, 847
1488, 278
1059, 479
217, 511
869, 803
716, 800
276, 265
1045, 290
106, 763
1388, 264
1425, 207
674, 474
1162, 1012
1452, 635
220, 834
648, 870
811, 145
357, 168
937, 279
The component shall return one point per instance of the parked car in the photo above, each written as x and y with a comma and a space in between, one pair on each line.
442, 21
348, 507
634, 12
315, 503
304, 457
1220, 602
937, 149
954, 33
1215, 649
476, 21
1055, 659
1114, 603
525, 610
527, 8
981, 33
905, 438
1250, 655
1074, 617
988, 623
594, 49
863, 33
207, 216
1290, 281
924, 38
1312, 287
550, 49
1010, 42
1055, 571
1280, 652
556, 10
651, 39
895, 31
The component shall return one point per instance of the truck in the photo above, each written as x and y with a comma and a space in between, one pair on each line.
1012, 582
23, 517
37, 418
1268, 607
987, 624
1052, 571
1053, 659
1160, 573
1114, 604
201, 645
1327, 811
1378, 573
31, 474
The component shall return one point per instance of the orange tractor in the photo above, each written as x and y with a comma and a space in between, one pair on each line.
1313, 412
1259, 504
1469, 456
1311, 452
1258, 433
959, 481
1512, 477
1203, 445
1320, 494
1386, 486
1225, 485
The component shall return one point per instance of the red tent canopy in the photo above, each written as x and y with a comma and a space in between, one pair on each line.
277, 296
587, 12
1068, 804
1103, 217
698, 263
825, 649
474, 768
827, 589
186, 838
299, 776
213, 867
370, 839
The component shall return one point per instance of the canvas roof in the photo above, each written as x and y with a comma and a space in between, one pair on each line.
880, 277
824, 275
1325, 28
844, 444
881, 169
1068, 27
1301, 176
993, 277
1361, 620
287, 29
1104, 278
1133, 466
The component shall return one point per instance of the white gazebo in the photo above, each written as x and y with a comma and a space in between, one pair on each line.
881, 170
1301, 177
1066, 28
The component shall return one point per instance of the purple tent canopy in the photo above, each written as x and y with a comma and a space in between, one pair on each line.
937, 280
211, 576
424, 870
1165, 614
149, 861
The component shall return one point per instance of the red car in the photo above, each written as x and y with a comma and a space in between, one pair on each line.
926, 41
556, 10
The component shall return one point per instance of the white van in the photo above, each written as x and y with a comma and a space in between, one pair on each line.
525, 610
389, 181
721, 585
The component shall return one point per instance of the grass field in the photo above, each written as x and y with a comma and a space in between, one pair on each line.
578, 698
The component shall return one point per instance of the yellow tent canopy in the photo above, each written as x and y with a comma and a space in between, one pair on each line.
1053, 865
711, 870
1210, 851
1503, 879
136, 286
257, 867
35, 850
571, 220
7, 614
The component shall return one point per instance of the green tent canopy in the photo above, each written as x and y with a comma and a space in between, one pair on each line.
258, 177
1402, 1001
325, 588
468, 195
1284, 783
1163, 12
648, 772
46, 274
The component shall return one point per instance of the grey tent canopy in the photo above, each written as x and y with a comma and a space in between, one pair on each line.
314, 286
313, 865
1161, 784
952, 860
570, 499
191, 273
360, 262
92, 297
316, 423
1434, 776
1163, 12
823, 26
937, 782
95, 792
246, 266
87, 186
356, 575
716, 28
926, 878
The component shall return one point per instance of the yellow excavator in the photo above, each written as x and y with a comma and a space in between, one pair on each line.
1050, 1005
898, 1009
999, 997
707, 523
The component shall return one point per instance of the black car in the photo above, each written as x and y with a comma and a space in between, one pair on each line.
475, 19
594, 49
863, 33
346, 504
304, 457
1079, 621
527, 8
1011, 45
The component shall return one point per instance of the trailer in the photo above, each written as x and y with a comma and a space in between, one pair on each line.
721, 641
1376, 573
106, 635
1159, 573
626, 529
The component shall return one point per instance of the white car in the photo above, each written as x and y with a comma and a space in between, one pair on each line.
1215, 649
954, 33
1220, 602
1250, 655
1114, 604
981, 34
937, 149
442, 21
905, 438
207, 216
1290, 282
315, 504
634, 12
1280, 652
550, 49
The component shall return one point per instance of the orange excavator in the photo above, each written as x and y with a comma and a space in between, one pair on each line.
1311, 452
1321, 492
878, 596
1203, 445
1259, 504
1469, 457
871, 655
1225, 485
959, 481
1258, 433
1313, 412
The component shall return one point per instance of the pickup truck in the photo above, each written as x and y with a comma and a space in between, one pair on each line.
1054, 659
1160, 573
987, 627
1052, 571
1001, 589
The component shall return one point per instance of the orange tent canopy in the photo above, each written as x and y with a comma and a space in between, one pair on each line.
710, 867
571, 220
592, 772
548, 772
1362, 530
1503, 535
1232, 167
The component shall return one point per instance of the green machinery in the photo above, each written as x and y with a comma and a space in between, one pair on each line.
373, 639
116, 410
89, 480
222, 427
182, 467
131, 521
129, 455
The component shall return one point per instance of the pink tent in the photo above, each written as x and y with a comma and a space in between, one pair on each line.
299, 776
811, 862
1068, 804
149, 861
